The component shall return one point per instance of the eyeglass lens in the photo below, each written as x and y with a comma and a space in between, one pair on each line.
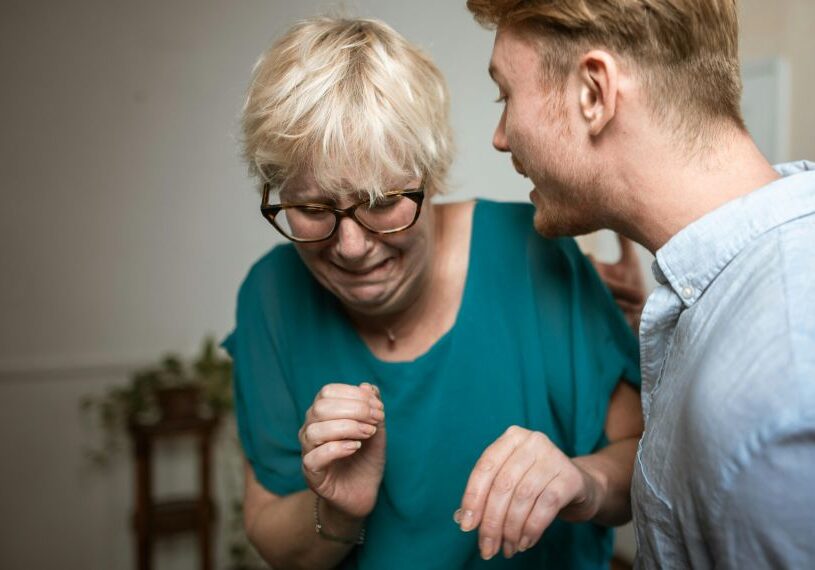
388, 214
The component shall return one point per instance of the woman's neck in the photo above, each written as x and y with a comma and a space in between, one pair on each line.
411, 331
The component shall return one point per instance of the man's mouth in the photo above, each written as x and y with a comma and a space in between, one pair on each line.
518, 168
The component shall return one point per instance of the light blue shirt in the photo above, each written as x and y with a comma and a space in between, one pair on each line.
725, 473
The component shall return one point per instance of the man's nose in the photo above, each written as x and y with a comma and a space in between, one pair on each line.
499, 138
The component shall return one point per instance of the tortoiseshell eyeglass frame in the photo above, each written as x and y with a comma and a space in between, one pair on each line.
269, 211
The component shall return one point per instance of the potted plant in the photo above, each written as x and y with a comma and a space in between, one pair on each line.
172, 391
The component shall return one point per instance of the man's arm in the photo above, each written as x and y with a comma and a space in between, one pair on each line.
768, 517
625, 280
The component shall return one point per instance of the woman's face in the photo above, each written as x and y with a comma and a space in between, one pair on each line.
372, 275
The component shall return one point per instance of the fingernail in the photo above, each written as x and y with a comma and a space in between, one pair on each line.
509, 550
487, 548
457, 516
368, 429
466, 520
352, 445
524, 545
376, 404
377, 414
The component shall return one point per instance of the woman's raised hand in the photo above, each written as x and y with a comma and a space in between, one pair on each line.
343, 446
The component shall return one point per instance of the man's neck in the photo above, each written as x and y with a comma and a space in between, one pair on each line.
669, 191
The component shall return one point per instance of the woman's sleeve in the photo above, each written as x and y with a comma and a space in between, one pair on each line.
267, 416
604, 320
604, 350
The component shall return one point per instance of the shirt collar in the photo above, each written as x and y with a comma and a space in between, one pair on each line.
695, 256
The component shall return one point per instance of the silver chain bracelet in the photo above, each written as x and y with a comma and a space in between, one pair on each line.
318, 528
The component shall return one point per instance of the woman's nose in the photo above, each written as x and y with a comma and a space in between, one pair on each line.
353, 241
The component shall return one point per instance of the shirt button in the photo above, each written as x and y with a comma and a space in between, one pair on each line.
687, 293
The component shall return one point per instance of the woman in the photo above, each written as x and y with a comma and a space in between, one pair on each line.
452, 321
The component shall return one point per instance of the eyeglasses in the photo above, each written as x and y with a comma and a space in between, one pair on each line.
308, 222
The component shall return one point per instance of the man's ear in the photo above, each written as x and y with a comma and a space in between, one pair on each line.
598, 81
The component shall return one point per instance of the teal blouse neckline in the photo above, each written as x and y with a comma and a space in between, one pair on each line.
443, 344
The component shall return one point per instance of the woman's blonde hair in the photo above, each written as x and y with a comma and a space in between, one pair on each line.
350, 104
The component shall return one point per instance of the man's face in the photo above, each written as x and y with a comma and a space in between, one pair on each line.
542, 130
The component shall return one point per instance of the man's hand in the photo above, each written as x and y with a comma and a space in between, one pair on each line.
625, 281
519, 485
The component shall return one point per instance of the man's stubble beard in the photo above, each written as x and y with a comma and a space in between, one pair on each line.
569, 206
570, 203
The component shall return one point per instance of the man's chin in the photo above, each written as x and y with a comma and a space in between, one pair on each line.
552, 225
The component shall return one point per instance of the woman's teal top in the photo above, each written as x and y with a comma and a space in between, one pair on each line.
538, 342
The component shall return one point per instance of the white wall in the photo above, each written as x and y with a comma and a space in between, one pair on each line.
783, 28
127, 221
128, 215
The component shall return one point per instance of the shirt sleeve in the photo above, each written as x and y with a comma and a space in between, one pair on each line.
267, 418
767, 517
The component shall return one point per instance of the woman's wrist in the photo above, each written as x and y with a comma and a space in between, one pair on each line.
595, 485
335, 524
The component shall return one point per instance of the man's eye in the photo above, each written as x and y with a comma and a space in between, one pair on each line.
501, 98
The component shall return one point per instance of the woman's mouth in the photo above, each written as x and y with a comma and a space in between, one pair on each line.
367, 271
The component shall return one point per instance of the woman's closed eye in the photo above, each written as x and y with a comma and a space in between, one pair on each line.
384, 203
314, 211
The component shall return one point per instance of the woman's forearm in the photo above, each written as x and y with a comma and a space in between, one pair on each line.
283, 532
612, 468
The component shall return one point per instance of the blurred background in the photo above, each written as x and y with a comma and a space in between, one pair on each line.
128, 222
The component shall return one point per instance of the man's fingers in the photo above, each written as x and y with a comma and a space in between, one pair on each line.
317, 460
318, 433
633, 309
629, 260
482, 477
627, 250
624, 292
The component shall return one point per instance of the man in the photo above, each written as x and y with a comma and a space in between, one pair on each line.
625, 115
